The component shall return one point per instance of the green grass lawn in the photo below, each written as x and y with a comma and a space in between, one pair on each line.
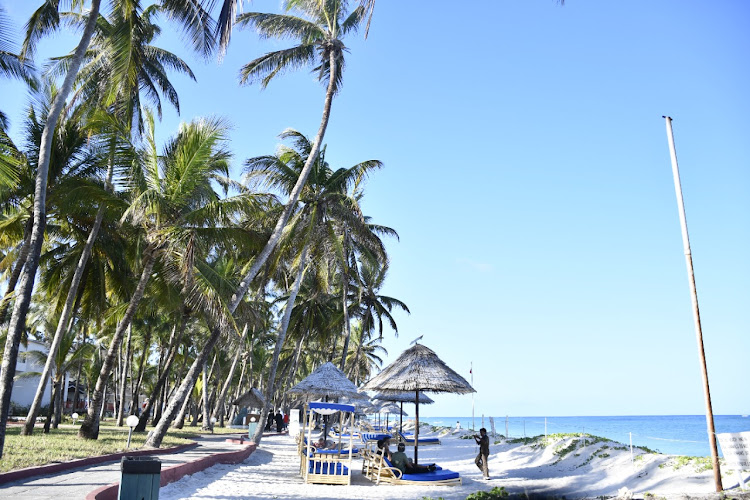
63, 444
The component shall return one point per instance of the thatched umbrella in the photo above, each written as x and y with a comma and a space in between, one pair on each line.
403, 397
252, 399
327, 381
391, 408
418, 369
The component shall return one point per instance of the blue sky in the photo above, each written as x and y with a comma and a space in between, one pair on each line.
528, 175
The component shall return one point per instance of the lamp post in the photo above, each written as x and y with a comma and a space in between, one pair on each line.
131, 422
213, 421
75, 418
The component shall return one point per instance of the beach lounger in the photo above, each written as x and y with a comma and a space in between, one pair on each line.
382, 471
409, 440
325, 466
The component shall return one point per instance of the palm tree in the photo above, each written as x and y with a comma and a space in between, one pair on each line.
120, 63
194, 19
320, 35
324, 208
170, 191
374, 309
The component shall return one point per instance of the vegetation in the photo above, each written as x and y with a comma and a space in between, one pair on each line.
62, 445
493, 494
166, 287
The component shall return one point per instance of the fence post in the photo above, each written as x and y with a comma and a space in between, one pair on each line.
632, 459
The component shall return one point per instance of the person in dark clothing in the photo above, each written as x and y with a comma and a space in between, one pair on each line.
483, 440
405, 464
279, 422
269, 421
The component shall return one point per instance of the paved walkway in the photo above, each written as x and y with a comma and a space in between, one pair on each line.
77, 483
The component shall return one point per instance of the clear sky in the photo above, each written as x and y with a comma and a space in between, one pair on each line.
527, 172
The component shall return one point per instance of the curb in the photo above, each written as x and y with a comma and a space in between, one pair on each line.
176, 472
42, 470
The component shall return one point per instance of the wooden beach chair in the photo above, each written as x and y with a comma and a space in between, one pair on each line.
383, 471
326, 466
409, 440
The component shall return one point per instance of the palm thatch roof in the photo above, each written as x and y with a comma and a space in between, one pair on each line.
327, 381
392, 408
419, 369
403, 397
252, 399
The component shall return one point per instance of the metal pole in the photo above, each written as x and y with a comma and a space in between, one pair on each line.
696, 311
471, 371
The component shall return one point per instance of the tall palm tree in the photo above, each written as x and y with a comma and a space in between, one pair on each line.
320, 35
194, 19
324, 207
170, 191
119, 64
374, 309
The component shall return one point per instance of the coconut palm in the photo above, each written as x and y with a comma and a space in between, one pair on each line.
374, 309
120, 64
195, 20
169, 191
320, 33
324, 208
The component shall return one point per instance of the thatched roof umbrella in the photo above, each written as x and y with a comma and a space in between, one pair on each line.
252, 399
327, 381
403, 397
418, 369
389, 408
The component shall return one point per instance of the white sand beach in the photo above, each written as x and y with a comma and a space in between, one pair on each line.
562, 468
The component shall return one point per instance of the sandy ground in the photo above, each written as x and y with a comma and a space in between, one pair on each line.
597, 469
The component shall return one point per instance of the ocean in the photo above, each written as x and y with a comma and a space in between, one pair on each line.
669, 434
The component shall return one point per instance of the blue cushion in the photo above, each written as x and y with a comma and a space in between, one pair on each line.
375, 437
328, 468
336, 451
436, 475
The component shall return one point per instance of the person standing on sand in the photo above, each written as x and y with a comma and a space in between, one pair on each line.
483, 440
279, 421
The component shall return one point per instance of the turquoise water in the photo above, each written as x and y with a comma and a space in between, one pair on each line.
670, 434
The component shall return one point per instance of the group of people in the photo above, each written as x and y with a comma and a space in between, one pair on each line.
279, 418
407, 466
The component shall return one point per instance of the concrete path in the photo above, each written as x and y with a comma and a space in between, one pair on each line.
77, 483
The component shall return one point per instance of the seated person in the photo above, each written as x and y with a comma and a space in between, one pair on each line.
324, 444
405, 464
383, 448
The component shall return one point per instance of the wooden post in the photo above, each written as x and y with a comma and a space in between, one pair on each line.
696, 311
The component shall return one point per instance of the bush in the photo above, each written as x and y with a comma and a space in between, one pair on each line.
493, 494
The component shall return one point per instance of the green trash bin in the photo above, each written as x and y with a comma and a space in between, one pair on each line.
140, 480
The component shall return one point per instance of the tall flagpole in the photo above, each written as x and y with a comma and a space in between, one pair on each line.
696, 311
471, 372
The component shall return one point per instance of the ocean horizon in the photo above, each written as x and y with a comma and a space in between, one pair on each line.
668, 434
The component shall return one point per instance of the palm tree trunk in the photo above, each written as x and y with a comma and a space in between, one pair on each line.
22, 255
280, 342
136, 391
51, 409
182, 392
59, 400
90, 427
223, 394
62, 323
260, 260
21, 306
124, 378
206, 425
295, 364
347, 323
237, 389
179, 421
